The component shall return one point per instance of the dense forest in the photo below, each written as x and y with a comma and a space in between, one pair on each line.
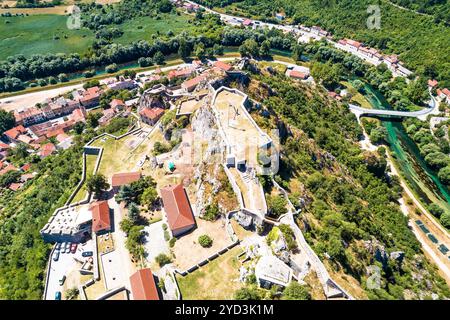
348, 201
420, 41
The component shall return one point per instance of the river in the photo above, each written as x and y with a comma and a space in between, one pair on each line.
420, 177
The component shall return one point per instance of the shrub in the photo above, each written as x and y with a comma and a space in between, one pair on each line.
163, 259
205, 241
212, 212
172, 242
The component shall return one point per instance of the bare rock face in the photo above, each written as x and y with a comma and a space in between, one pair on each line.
398, 256
246, 221
377, 250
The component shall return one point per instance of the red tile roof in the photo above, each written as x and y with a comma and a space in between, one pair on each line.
15, 132
446, 92
222, 65
353, 43
116, 102
8, 168
78, 116
4, 146
25, 167
100, 216
432, 83
177, 207
120, 179
152, 113
192, 83
247, 22
298, 74
15, 186
47, 149
143, 286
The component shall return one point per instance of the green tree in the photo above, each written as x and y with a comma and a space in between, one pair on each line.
162, 259
435, 210
264, 50
133, 212
159, 58
247, 293
444, 175
295, 291
149, 196
205, 241
297, 52
7, 121
445, 220
199, 51
184, 49
277, 205
97, 184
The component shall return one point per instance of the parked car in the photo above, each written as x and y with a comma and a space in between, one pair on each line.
61, 281
55, 255
73, 248
58, 246
58, 295
87, 254
67, 247
63, 247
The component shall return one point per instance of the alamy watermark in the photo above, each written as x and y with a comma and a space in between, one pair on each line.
374, 19
74, 19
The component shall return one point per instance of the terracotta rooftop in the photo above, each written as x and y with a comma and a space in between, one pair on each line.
121, 179
192, 83
100, 216
143, 286
222, 65
47, 149
152, 113
15, 132
177, 207
8, 168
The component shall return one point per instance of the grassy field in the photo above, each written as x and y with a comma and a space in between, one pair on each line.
217, 280
90, 165
38, 34
48, 33
142, 28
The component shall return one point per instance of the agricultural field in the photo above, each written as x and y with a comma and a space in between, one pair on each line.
40, 34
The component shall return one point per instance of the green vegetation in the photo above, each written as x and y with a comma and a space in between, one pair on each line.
295, 291
7, 121
212, 212
97, 184
348, 203
163, 259
422, 42
277, 205
205, 241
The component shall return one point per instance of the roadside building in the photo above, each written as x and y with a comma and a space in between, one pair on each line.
101, 221
12, 134
108, 114
191, 84
247, 23
29, 116
272, 271
121, 179
143, 285
432, 83
353, 45
78, 115
178, 209
222, 66
91, 97
117, 105
151, 116
46, 150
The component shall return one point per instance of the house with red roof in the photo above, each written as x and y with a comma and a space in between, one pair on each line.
117, 105
14, 133
181, 73
178, 209
143, 285
353, 45
190, 85
8, 168
432, 83
247, 23
108, 114
78, 115
222, 66
90, 97
445, 94
25, 167
121, 179
46, 150
151, 116
101, 221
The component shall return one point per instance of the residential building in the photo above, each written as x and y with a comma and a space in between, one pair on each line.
12, 134
117, 105
178, 209
151, 116
121, 179
29, 116
90, 97
143, 285
46, 150
432, 83
101, 221
222, 66
108, 114
190, 85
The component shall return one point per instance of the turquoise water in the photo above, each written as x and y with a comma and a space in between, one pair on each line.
420, 177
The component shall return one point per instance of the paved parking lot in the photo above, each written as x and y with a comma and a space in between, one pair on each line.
65, 264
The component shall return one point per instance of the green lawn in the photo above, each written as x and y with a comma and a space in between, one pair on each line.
218, 280
90, 166
35, 34
142, 28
